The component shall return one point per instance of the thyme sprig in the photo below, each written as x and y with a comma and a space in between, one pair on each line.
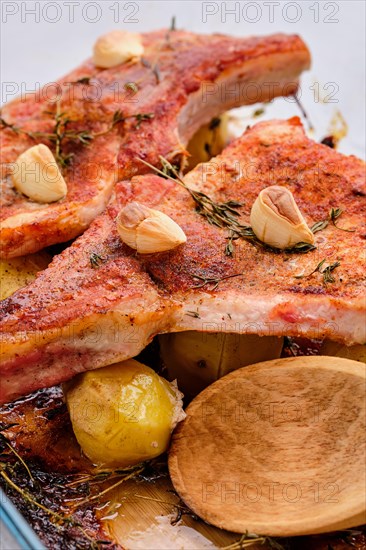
171, 30
154, 68
17, 455
248, 539
326, 272
61, 134
173, 24
223, 215
193, 314
215, 281
124, 476
141, 117
333, 216
91, 486
59, 520
303, 112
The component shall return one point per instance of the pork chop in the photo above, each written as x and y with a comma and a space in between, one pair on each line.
182, 81
99, 301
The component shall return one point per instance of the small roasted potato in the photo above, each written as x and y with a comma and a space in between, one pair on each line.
123, 414
197, 359
208, 141
335, 349
18, 272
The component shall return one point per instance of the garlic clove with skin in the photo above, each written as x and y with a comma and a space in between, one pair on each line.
276, 219
117, 47
147, 230
36, 175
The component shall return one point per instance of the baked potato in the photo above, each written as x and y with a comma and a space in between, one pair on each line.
196, 359
18, 272
123, 414
208, 141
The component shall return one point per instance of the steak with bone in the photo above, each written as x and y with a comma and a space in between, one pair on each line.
182, 81
81, 314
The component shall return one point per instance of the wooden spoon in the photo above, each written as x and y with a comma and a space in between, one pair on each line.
276, 448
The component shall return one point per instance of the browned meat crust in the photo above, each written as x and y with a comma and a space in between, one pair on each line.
77, 316
182, 82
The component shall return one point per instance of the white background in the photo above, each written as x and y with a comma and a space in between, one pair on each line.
41, 46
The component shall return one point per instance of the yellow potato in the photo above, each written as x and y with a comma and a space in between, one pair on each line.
18, 272
197, 359
335, 349
208, 141
123, 414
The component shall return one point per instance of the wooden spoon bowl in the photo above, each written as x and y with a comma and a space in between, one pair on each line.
276, 448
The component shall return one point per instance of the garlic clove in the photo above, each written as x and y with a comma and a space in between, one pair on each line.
276, 219
36, 175
127, 221
117, 47
147, 230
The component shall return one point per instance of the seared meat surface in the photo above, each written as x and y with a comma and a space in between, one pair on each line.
100, 302
182, 81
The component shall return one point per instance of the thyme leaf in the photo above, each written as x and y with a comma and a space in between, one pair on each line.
333, 216
120, 117
171, 29
317, 268
215, 281
96, 260
117, 118
26, 496
229, 248
194, 314
154, 68
141, 117
131, 86
319, 226
326, 272
301, 248
5, 124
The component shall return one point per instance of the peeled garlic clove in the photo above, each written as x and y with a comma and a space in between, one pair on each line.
128, 220
117, 47
36, 175
147, 230
276, 219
